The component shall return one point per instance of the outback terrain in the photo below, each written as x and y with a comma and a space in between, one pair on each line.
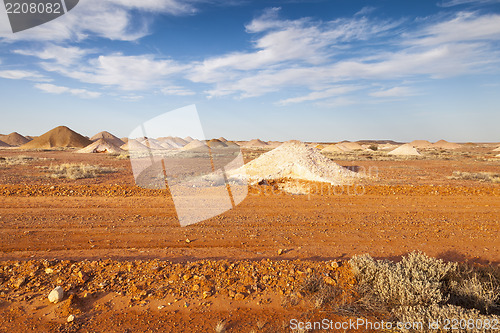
126, 265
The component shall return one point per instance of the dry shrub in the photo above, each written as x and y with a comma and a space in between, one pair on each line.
476, 287
16, 160
423, 289
78, 171
479, 176
122, 156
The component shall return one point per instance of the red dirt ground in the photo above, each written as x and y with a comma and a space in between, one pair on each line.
410, 205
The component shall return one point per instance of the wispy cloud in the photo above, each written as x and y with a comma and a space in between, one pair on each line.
394, 92
177, 91
63, 56
120, 71
22, 75
451, 3
111, 19
284, 46
318, 95
320, 60
365, 11
53, 89
315, 55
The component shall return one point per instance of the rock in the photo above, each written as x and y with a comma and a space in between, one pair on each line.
19, 282
281, 251
335, 264
196, 287
56, 295
239, 297
83, 277
207, 294
70, 318
49, 271
329, 280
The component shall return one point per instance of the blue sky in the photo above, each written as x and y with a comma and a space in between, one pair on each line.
311, 70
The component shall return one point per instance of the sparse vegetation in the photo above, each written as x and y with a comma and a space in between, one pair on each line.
123, 156
17, 160
479, 176
78, 171
424, 289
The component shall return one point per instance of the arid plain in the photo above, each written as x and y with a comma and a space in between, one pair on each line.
126, 265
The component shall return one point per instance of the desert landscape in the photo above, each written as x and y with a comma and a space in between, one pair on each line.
368, 230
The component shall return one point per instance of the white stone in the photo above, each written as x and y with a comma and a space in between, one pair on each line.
56, 295
70, 318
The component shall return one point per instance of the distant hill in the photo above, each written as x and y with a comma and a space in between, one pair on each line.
4, 145
14, 139
59, 137
109, 138
381, 142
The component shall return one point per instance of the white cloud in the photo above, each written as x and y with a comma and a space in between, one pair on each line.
393, 92
284, 45
365, 11
63, 56
316, 58
120, 71
21, 75
317, 95
131, 98
177, 91
451, 3
303, 53
111, 19
464, 27
53, 89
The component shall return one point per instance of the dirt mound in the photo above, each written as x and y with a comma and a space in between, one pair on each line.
294, 160
152, 143
60, 136
102, 146
216, 143
133, 144
255, 143
274, 144
109, 138
174, 142
331, 149
496, 149
405, 150
188, 139
349, 146
387, 146
443, 144
222, 139
421, 144
4, 145
232, 144
14, 139
195, 144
